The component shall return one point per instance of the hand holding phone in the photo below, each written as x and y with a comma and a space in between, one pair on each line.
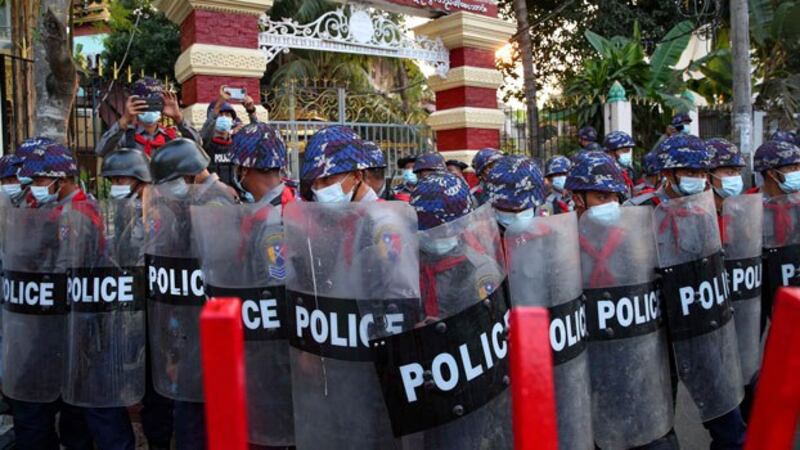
236, 93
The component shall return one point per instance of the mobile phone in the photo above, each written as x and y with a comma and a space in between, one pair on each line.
236, 93
154, 103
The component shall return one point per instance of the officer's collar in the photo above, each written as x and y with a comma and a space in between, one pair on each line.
272, 194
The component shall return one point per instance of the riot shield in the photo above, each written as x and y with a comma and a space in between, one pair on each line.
352, 275
697, 304
781, 247
742, 227
105, 354
445, 381
241, 255
35, 305
628, 355
175, 294
544, 270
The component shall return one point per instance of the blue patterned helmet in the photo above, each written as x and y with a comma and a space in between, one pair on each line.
683, 151
484, 157
596, 171
593, 147
556, 165
147, 86
515, 183
54, 161
258, 146
784, 136
681, 119
440, 198
334, 150
376, 158
617, 140
650, 163
588, 133
724, 153
430, 161
9, 165
774, 155
29, 145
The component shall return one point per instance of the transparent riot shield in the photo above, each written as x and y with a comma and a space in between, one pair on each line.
544, 270
781, 247
35, 305
240, 248
445, 381
697, 304
175, 294
352, 275
105, 354
628, 355
5, 204
742, 228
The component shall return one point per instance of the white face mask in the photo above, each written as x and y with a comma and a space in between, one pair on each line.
626, 159
42, 194
559, 182
178, 188
149, 117
439, 246
12, 190
120, 191
607, 213
332, 194
512, 219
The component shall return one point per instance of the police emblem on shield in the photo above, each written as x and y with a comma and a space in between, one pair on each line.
388, 243
275, 259
486, 285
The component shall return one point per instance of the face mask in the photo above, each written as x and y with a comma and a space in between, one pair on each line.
731, 186
691, 185
439, 246
245, 195
332, 194
559, 182
25, 180
12, 190
791, 182
409, 176
626, 159
370, 196
179, 188
120, 191
149, 117
606, 214
510, 219
42, 194
224, 124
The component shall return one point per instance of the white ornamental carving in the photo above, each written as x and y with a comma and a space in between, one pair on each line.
353, 29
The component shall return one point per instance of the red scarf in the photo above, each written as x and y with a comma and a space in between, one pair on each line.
601, 275
783, 220
427, 280
163, 135
670, 220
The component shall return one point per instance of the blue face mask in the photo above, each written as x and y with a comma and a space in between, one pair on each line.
245, 195
511, 219
626, 159
332, 194
607, 214
559, 182
42, 194
409, 176
224, 124
691, 185
120, 191
439, 246
149, 117
791, 182
13, 191
731, 186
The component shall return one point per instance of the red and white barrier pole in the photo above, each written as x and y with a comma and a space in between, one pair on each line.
532, 394
222, 345
776, 409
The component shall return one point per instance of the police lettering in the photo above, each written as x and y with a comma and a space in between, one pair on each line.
347, 330
626, 312
448, 368
260, 314
569, 330
175, 282
31, 293
707, 294
107, 289
788, 272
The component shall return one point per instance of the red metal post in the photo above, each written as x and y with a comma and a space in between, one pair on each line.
222, 344
532, 394
776, 408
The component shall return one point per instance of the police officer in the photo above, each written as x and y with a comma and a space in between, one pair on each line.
12, 188
587, 139
726, 170
778, 162
335, 162
681, 123
784, 136
516, 188
258, 155
481, 163
619, 145
428, 163
555, 171
129, 172
650, 175
138, 127
402, 191
456, 167
594, 182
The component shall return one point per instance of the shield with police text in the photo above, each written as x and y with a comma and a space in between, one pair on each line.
445, 380
34, 304
544, 270
781, 247
696, 303
741, 225
352, 276
175, 292
105, 354
628, 352
240, 248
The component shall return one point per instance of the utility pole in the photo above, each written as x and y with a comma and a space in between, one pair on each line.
523, 37
742, 91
